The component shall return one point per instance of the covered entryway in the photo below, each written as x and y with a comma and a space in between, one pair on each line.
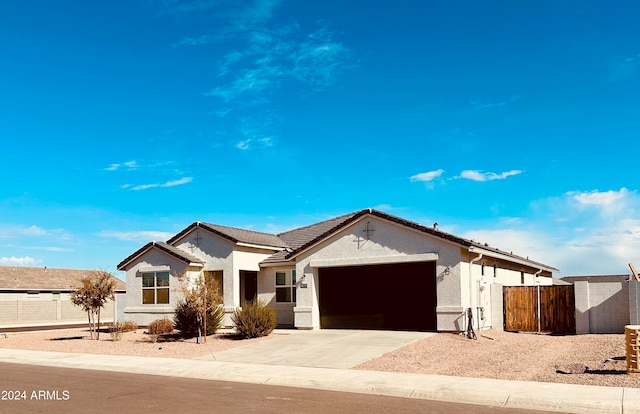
248, 286
399, 296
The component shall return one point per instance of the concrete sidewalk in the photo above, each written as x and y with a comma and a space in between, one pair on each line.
490, 392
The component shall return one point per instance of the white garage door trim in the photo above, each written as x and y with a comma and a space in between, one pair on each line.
357, 261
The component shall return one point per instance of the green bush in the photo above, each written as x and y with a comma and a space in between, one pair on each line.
129, 326
160, 326
185, 318
255, 319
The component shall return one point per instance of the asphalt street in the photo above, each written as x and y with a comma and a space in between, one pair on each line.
39, 389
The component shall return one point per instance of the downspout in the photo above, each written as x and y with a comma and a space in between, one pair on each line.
535, 279
471, 262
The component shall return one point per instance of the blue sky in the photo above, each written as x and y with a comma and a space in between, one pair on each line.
511, 123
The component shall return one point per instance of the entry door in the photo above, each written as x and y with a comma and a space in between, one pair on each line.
248, 286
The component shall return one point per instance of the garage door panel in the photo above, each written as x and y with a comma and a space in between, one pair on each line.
394, 296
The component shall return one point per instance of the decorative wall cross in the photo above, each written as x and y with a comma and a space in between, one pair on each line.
368, 231
197, 239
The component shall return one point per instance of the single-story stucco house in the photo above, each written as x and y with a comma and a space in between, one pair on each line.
42, 295
366, 269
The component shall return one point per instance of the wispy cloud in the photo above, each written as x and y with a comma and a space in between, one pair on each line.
181, 7
13, 231
195, 41
254, 143
479, 104
43, 248
606, 203
259, 55
626, 69
18, 261
252, 130
320, 58
173, 183
141, 235
598, 198
129, 165
427, 176
272, 53
476, 175
581, 233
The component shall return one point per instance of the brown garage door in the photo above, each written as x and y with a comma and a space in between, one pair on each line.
391, 296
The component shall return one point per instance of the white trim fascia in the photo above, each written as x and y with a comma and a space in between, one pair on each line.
506, 257
260, 246
373, 260
278, 264
159, 268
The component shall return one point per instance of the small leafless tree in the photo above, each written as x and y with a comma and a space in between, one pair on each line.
92, 294
203, 296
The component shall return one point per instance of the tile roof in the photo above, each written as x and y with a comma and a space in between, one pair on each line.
45, 278
165, 247
297, 240
305, 237
246, 236
234, 235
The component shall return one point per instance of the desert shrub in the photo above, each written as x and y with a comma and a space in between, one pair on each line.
116, 331
160, 326
215, 318
129, 326
255, 319
185, 319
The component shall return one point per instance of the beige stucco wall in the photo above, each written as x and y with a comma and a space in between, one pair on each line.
154, 260
218, 253
267, 293
389, 243
475, 286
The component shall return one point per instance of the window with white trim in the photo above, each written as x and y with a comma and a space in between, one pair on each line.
286, 286
155, 288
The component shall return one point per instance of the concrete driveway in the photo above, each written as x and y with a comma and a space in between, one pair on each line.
319, 348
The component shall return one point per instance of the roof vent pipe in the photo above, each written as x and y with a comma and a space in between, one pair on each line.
435, 226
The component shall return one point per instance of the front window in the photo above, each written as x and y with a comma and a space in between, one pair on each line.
155, 288
286, 286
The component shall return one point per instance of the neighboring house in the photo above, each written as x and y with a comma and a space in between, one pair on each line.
366, 269
41, 295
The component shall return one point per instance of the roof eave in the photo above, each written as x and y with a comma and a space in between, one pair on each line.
260, 246
126, 262
512, 258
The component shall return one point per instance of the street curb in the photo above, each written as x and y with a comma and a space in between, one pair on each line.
553, 397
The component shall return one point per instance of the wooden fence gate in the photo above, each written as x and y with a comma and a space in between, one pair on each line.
539, 309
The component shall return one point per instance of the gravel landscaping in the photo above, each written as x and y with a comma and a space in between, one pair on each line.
587, 359
136, 343
516, 356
